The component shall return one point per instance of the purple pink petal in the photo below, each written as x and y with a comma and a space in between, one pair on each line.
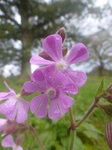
52, 45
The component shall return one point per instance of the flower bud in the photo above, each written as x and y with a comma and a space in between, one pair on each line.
107, 109
10, 129
64, 51
23, 93
108, 133
109, 89
110, 98
45, 56
19, 139
61, 32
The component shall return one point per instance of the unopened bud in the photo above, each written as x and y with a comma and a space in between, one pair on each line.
107, 109
45, 56
64, 51
24, 93
109, 89
10, 129
61, 32
19, 139
108, 133
22, 126
110, 98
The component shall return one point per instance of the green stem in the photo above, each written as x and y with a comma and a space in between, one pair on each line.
74, 126
34, 132
71, 147
86, 114
71, 115
94, 105
72, 140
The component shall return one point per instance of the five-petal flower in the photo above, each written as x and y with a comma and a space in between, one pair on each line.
54, 87
52, 45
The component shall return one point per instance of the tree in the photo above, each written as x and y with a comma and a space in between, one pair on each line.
100, 50
38, 19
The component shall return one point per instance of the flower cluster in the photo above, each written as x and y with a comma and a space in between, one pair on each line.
54, 79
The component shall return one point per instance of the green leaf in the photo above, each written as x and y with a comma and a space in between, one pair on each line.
101, 87
89, 127
78, 144
90, 131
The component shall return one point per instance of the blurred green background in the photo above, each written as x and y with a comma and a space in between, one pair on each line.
23, 26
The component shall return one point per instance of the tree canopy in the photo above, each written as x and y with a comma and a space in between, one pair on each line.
37, 19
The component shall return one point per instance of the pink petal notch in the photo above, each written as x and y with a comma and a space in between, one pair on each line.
42, 111
35, 103
65, 102
54, 112
53, 46
77, 54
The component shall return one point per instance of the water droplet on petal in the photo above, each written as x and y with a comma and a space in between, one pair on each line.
56, 112
57, 38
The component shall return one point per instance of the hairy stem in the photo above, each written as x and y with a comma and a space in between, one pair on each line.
74, 126
71, 147
71, 115
86, 114
34, 132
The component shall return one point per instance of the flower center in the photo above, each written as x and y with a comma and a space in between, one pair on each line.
51, 92
61, 65
18, 96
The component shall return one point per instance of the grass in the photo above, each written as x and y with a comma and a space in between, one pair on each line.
89, 136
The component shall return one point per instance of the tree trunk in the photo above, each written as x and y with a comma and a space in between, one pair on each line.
100, 69
26, 55
26, 37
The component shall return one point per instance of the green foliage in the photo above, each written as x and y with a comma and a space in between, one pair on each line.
101, 87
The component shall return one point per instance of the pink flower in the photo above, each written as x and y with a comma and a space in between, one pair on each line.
9, 142
52, 86
52, 45
14, 106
